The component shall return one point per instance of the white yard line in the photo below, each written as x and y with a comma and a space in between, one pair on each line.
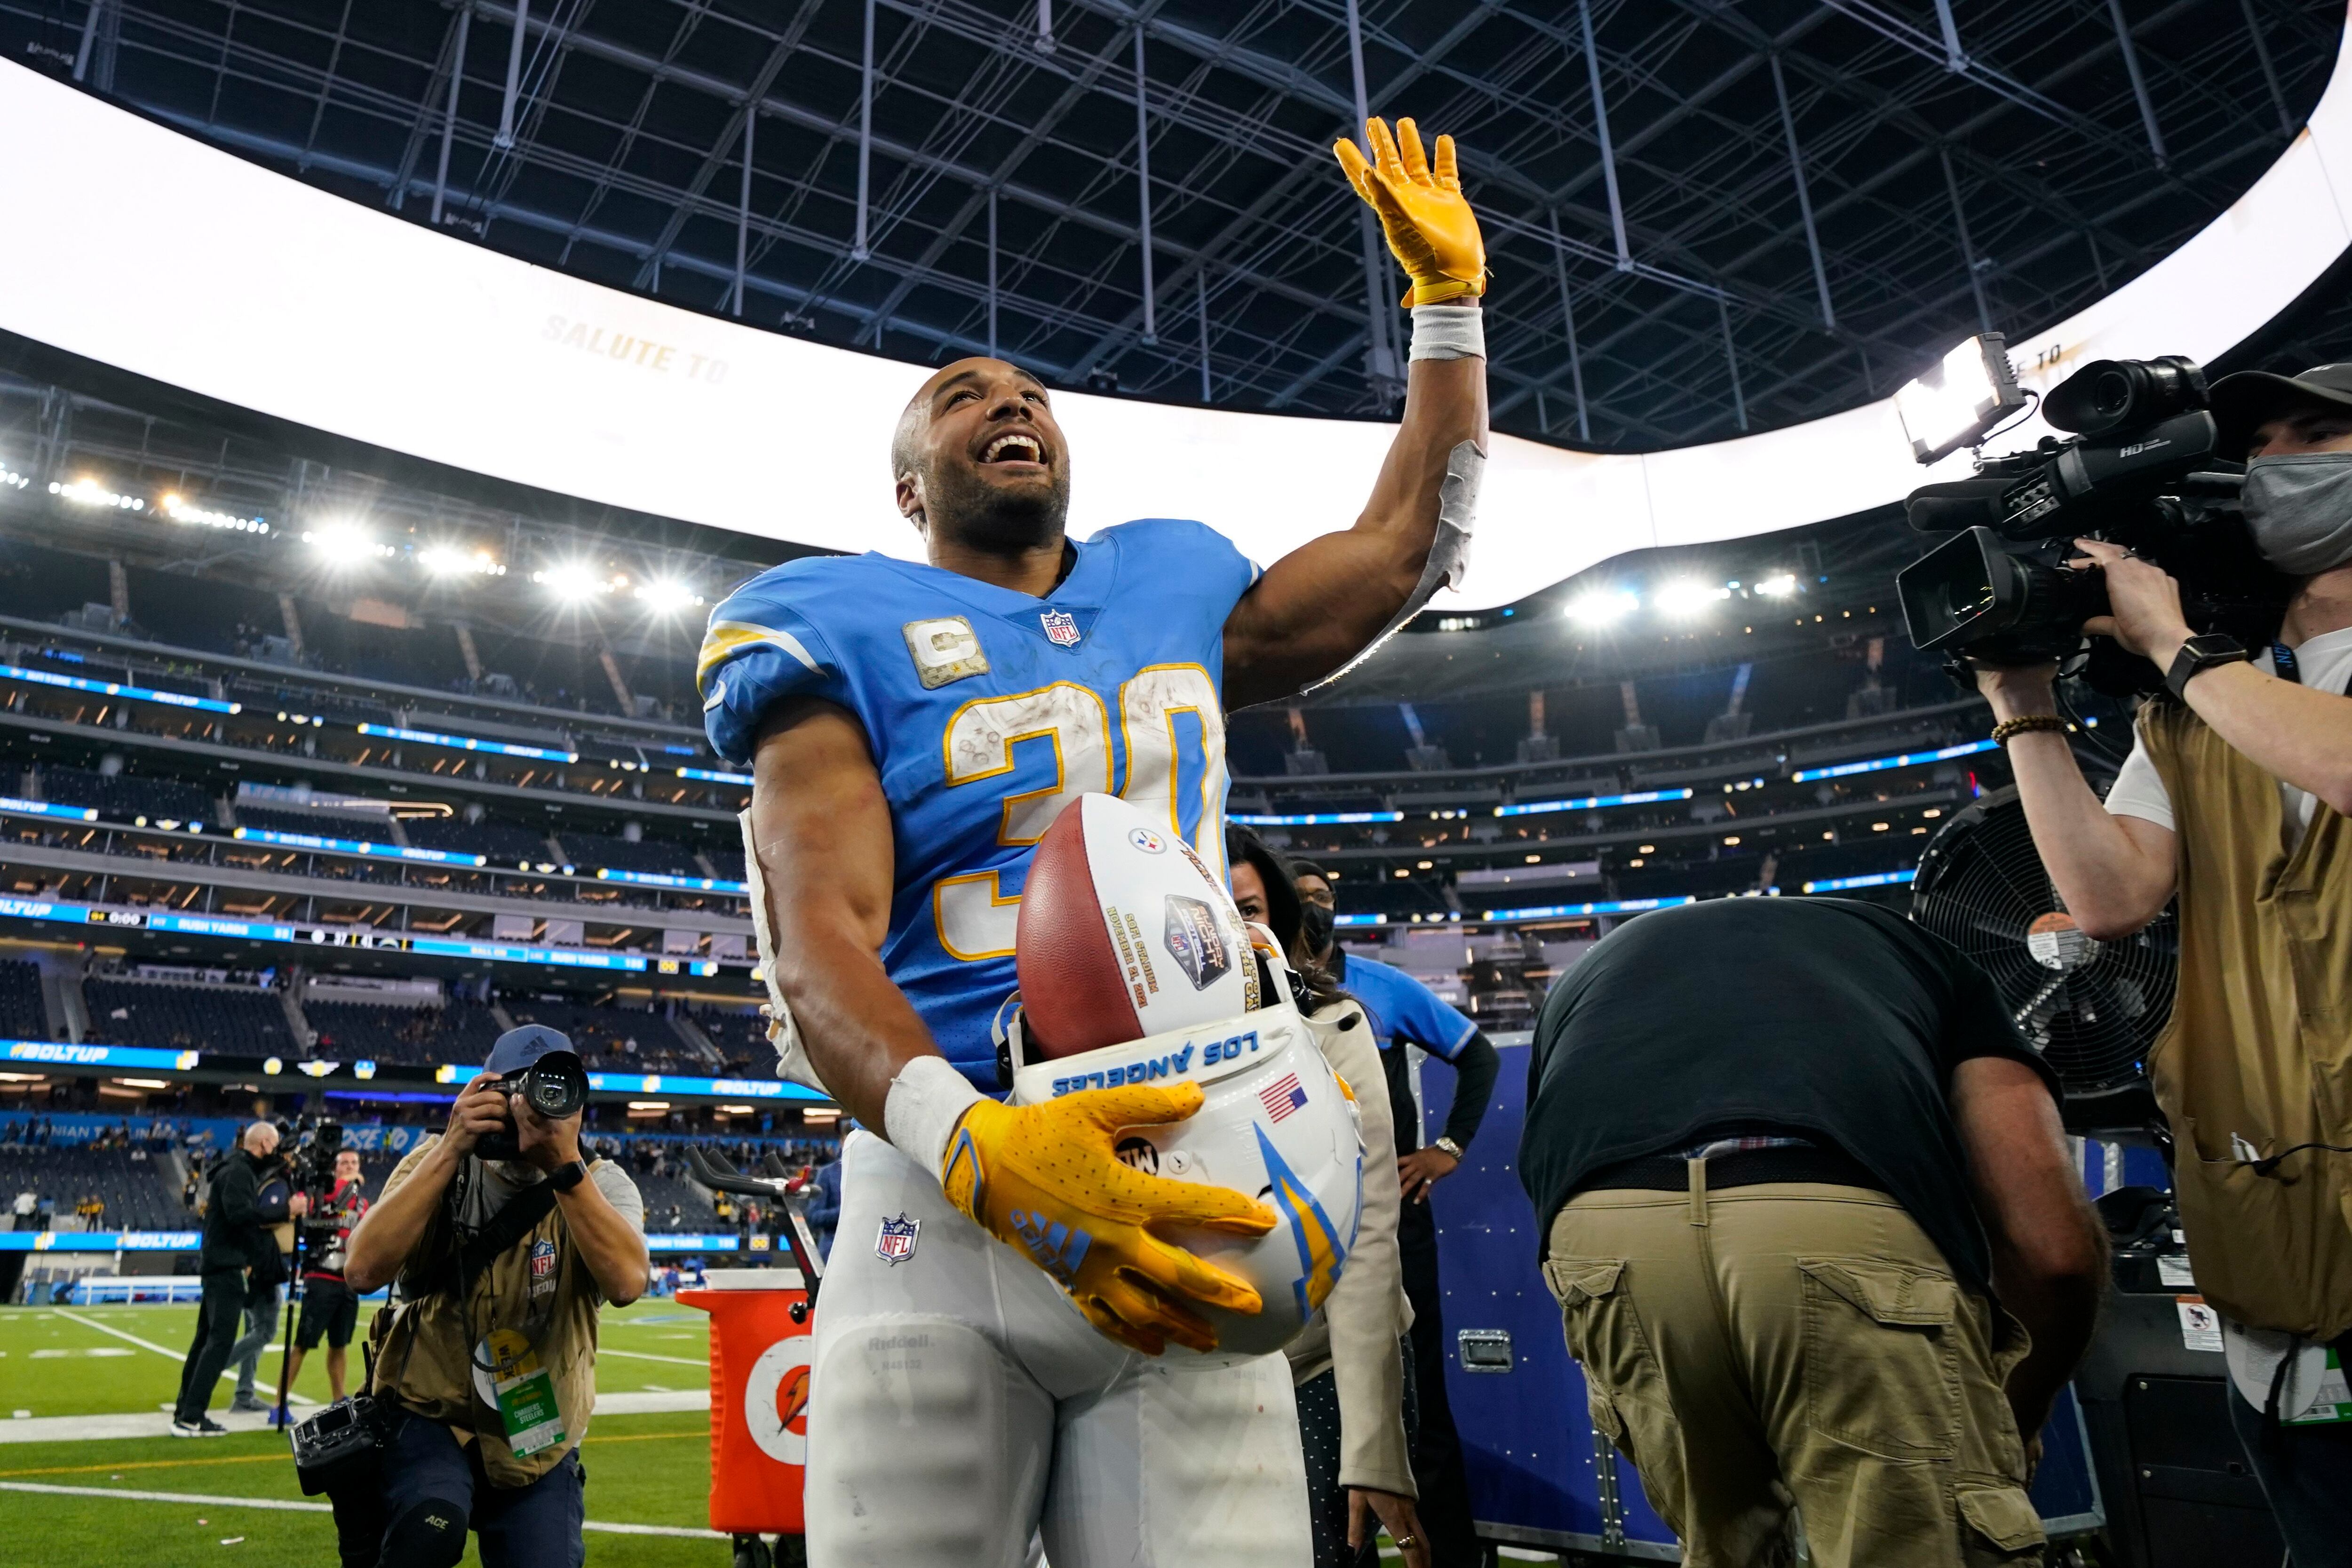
180, 1356
291, 1505
648, 1355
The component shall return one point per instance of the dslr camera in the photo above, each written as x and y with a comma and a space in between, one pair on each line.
2138, 470
556, 1086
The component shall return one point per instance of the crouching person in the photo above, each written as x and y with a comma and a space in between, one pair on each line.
505, 1244
1815, 1231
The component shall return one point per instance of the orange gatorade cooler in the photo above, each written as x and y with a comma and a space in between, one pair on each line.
760, 1348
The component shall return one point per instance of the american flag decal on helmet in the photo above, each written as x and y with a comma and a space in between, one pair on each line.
1283, 1096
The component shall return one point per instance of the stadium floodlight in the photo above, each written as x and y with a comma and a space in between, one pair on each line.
179, 509
452, 560
1599, 606
1684, 597
87, 491
569, 581
1954, 404
666, 595
1779, 585
345, 543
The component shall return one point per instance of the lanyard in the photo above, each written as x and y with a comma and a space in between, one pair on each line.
2283, 659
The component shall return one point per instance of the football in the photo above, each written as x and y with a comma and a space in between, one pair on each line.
1125, 932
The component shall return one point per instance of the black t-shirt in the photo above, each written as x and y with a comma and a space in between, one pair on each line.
1828, 1019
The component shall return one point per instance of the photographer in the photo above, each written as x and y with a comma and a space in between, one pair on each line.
272, 1268
2234, 797
331, 1309
238, 1232
505, 1244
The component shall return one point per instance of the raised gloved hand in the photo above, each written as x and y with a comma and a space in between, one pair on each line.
1428, 225
1048, 1180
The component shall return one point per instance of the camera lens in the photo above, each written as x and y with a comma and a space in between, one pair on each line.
2111, 395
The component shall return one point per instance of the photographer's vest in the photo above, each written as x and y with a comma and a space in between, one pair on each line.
2258, 1056
427, 1348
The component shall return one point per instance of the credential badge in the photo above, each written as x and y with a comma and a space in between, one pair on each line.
945, 649
896, 1242
1061, 628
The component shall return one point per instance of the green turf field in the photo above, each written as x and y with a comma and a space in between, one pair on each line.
90, 1360
75, 1361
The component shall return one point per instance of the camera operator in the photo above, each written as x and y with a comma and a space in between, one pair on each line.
331, 1309
2234, 797
239, 1232
272, 1268
505, 1244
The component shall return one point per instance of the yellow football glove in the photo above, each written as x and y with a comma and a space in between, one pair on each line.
1430, 227
1046, 1180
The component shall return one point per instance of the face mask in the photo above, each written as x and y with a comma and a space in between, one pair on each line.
1315, 925
2299, 509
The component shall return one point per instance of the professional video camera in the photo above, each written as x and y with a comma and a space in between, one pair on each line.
2139, 472
556, 1086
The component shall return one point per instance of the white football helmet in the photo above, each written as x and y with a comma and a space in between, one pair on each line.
1278, 1125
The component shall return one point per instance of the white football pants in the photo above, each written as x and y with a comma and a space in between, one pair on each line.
960, 1404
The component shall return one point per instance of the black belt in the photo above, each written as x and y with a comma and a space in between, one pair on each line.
1740, 1168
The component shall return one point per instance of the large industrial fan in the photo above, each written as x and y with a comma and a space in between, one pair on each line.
2093, 1008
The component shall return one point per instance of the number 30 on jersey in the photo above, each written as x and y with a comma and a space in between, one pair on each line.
1172, 766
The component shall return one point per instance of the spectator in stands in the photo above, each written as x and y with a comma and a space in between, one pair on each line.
2236, 797
236, 1230
26, 1209
1405, 1013
524, 1248
329, 1307
1794, 1214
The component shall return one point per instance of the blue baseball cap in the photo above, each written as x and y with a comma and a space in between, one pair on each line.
518, 1048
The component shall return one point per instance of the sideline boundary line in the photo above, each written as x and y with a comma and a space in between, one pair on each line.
291, 1505
180, 1356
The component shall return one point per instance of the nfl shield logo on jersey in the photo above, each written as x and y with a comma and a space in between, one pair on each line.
896, 1242
1061, 628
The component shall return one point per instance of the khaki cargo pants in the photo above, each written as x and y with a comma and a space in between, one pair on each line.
1795, 1343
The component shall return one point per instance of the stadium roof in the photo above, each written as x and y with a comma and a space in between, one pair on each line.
1753, 215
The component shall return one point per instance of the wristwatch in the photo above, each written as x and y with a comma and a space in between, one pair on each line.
2199, 653
567, 1177
1449, 1146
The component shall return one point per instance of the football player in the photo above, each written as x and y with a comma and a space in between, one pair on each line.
912, 730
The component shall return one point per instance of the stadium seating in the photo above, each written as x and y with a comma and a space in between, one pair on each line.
615, 1040
139, 1189
741, 1037
235, 1021
128, 797
504, 844
22, 1015
587, 851
322, 823
460, 1032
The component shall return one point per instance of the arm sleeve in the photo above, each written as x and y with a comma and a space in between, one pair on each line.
1979, 1026
237, 1191
759, 650
1367, 1312
2138, 790
1475, 1066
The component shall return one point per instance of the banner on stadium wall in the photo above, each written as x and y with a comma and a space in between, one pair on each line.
144, 255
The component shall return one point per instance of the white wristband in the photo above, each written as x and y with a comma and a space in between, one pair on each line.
1448, 331
926, 1100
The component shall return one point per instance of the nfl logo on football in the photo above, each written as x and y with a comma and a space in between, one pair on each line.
896, 1242
1061, 628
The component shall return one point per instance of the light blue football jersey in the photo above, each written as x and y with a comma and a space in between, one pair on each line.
987, 711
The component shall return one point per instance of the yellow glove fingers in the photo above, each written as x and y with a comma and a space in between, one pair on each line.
1146, 1311
1108, 1110
1416, 162
1352, 163
1112, 1326
1179, 1274
1449, 173
1385, 157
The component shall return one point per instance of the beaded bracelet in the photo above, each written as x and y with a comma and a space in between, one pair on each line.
2028, 725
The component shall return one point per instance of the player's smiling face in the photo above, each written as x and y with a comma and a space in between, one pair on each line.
986, 463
